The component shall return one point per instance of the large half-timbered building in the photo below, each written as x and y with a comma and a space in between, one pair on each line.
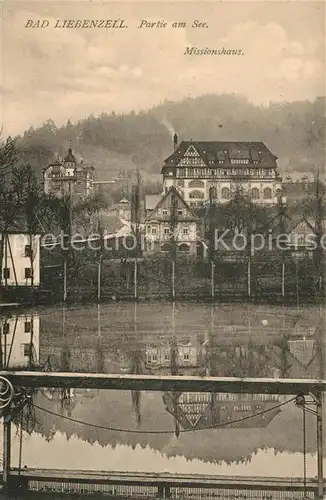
196, 166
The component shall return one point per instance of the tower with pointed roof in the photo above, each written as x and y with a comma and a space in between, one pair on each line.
68, 176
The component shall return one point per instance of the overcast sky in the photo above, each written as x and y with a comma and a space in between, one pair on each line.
70, 73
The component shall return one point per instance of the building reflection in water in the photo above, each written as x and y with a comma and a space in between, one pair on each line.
214, 348
217, 349
19, 341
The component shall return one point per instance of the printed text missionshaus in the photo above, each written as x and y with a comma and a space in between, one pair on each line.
206, 51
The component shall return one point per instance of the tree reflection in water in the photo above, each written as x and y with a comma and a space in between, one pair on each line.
137, 368
174, 369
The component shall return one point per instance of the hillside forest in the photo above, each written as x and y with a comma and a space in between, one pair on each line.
116, 144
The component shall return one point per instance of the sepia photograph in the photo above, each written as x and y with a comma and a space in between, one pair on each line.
162, 250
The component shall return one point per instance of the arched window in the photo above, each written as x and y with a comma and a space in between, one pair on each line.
267, 193
183, 247
166, 247
225, 193
255, 193
196, 184
196, 195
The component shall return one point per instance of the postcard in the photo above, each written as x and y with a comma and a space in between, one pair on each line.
162, 249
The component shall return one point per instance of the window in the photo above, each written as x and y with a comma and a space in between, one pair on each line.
180, 211
28, 251
165, 247
27, 327
6, 272
183, 247
267, 193
166, 230
28, 273
154, 231
164, 211
255, 193
186, 356
27, 349
154, 357
196, 194
185, 230
167, 356
225, 193
6, 328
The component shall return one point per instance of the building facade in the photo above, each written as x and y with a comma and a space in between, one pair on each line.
21, 259
172, 219
67, 176
197, 168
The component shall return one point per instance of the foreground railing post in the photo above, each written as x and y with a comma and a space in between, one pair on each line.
320, 445
6, 448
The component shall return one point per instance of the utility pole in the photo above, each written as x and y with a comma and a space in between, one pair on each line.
68, 243
173, 229
135, 206
282, 214
319, 254
99, 268
211, 241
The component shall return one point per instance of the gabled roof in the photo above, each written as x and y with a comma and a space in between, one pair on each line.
213, 151
165, 196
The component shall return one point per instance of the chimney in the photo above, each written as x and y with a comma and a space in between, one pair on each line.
175, 141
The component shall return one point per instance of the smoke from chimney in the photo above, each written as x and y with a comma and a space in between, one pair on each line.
164, 121
168, 125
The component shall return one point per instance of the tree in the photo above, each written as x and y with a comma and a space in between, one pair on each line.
18, 192
313, 209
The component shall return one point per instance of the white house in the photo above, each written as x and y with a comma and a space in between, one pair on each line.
21, 259
19, 341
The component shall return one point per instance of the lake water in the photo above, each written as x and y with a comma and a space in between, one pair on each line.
151, 431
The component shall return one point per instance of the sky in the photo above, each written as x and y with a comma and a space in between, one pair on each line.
67, 73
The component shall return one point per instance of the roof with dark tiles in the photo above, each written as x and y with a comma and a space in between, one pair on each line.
212, 152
